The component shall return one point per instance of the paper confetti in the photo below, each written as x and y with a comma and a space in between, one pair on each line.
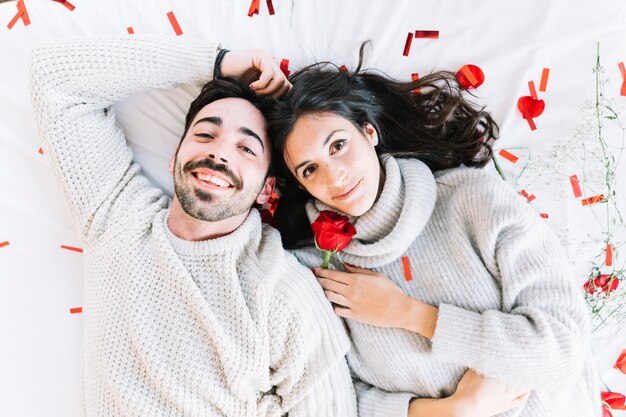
508, 155
40, 151
530, 108
575, 186
72, 248
529, 197
407, 268
533, 91
427, 34
609, 255
544, 79
620, 363
593, 200
270, 7
76, 310
407, 44
66, 3
3, 244
623, 71
22, 13
254, 7
543, 215
470, 76
130, 30
414, 77
284, 67
174, 23
343, 68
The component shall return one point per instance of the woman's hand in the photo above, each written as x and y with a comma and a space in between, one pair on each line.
372, 298
258, 67
477, 395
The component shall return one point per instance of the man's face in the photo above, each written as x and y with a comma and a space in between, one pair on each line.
221, 165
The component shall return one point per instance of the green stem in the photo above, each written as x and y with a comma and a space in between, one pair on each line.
327, 255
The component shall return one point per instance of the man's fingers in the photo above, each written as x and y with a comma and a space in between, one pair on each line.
274, 85
263, 81
286, 87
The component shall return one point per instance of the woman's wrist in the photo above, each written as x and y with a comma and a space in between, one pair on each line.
418, 317
440, 407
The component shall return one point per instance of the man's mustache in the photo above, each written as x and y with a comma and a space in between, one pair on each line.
221, 168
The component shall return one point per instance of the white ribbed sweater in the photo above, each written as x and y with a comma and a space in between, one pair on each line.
232, 326
508, 304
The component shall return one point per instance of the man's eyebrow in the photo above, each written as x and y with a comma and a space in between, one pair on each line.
301, 164
249, 132
211, 119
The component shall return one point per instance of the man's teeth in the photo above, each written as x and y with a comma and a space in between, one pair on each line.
214, 180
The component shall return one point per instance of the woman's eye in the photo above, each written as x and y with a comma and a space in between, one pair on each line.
205, 135
308, 171
338, 145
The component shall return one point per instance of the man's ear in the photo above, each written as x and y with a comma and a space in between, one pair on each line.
170, 167
370, 133
268, 189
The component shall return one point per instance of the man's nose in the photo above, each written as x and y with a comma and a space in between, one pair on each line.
217, 156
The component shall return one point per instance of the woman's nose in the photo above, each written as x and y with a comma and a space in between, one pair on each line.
337, 175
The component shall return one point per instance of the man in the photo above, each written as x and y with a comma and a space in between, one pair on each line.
191, 306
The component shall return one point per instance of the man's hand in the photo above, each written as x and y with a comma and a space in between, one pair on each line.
259, 68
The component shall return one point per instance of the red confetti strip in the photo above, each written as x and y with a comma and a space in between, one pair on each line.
174, 23
530, 108
532, 124
623, 71
284, 67
427, 34
620, 363
508, 155
343, 68
407, 45
414, 77
529, 197
22, 13
592, 200
72, 248
3, 244
254, 7
76, 310
270, 7
130, 30
575, 186
544, 79
609, 255
66, 3
543, 215
407, 268
533, 91
40, 151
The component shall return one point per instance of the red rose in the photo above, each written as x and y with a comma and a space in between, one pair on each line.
332, 231
621, 362
605, 282
612, 401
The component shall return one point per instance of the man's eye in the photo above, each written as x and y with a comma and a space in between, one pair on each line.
248, 150
308, 171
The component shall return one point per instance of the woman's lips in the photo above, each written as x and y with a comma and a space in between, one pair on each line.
350, 192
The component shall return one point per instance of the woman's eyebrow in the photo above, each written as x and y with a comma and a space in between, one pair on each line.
301, 164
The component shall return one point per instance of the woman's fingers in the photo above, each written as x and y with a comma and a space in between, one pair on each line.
338, 299
334, 286
333, 274
357, 270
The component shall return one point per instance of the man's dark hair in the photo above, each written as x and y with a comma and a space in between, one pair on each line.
227, 87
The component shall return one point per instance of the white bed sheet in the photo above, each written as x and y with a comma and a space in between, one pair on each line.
512, 42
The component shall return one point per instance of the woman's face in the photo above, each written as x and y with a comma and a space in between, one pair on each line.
335, 161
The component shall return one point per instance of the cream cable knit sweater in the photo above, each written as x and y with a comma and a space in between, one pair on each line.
508, 306
232, 326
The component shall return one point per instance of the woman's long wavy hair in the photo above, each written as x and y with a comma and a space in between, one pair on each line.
436, 125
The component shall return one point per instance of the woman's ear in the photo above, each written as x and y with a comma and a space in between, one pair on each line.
370, 133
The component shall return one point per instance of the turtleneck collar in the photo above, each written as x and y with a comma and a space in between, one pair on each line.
395, 220
251, 228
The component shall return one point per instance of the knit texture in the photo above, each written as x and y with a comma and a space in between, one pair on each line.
508, 305
232, 326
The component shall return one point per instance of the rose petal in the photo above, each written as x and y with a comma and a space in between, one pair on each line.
530, 107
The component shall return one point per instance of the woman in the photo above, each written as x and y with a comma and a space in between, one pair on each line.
450, 270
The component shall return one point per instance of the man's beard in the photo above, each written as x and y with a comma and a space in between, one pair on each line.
201, 204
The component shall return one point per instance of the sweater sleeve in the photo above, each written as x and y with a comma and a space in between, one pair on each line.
538, 339
374, 402
307, 351
74, 84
